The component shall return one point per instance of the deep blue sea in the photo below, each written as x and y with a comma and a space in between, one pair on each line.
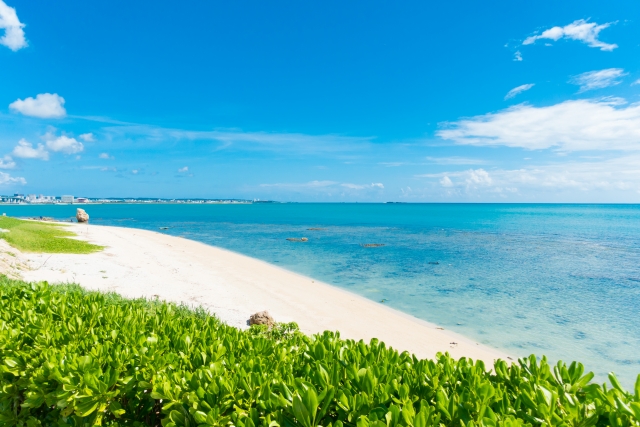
555, 280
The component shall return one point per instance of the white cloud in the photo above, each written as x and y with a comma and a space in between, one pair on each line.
637, 82
478, 177
470, 180
105, 156
64, 144
619, 176
13, 37
25, 150
518, 90
446, 181
7, 162
580, 30
44, 106
306, 185
363, 186
184, 169
135, 171
5, 178
87, 137
517, 56
455, 161
568, 126
228, 139
328, 187
598, 79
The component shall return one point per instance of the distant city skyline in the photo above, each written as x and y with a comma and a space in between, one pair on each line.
364, 101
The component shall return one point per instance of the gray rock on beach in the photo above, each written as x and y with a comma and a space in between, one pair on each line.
82, 216
261, 318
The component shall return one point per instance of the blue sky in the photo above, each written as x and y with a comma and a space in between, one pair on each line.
322, 101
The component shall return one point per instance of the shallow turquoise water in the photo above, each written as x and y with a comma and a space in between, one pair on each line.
559, 280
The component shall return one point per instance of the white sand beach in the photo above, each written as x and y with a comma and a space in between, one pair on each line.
140, 263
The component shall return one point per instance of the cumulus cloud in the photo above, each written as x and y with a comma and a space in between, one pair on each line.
64, 144
105, 156
5, 178
135, 171
87, 137
44, 106
568, 126
471, 179
618, 175
478, 177
184, 169
518, 90
7, 162
517, 56
26, 150
598, 79
580, 30
446, 181
13, 37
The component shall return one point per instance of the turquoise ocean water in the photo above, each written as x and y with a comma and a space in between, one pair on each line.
558, 280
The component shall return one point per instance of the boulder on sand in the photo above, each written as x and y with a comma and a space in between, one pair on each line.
261, 318
82, 216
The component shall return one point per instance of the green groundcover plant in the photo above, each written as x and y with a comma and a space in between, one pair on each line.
69, 357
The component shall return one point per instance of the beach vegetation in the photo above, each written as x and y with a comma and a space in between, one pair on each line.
42, 237
70, 357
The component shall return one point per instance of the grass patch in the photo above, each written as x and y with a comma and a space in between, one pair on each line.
33, 236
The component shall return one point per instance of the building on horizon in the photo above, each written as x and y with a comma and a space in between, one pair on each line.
66, 199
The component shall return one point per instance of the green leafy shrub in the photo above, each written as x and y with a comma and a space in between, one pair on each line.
74, 358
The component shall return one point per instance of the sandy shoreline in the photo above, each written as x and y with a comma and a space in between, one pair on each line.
141, 263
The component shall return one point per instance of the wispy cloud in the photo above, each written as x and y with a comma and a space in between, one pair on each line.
363, 186
517, 56
229, 139
184, 169
106, 156
305, 185
44, 106
518, 90
455, 161
13, 37
569, 126
598, 79
637, 82
580, 30
324, 186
